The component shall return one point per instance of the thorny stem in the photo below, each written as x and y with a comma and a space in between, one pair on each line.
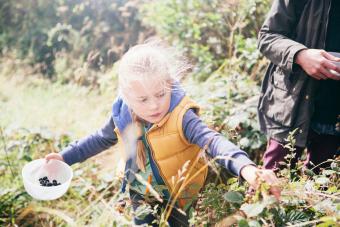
330, 160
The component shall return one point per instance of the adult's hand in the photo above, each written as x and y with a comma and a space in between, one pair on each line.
318, 63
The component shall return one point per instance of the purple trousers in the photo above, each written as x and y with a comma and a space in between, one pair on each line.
320, 147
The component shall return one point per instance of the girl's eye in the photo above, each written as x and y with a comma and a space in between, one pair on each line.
161, 95
143, 100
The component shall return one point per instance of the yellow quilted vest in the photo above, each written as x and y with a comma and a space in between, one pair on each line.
171, 151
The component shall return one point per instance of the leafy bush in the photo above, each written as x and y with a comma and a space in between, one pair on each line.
229, 104
209, 31
305, 202
96, 32
94, 197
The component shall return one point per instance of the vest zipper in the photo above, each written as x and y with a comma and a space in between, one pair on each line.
159, 170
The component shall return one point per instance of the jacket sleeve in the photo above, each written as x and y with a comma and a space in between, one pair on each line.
91, 145
196, 132
275, 37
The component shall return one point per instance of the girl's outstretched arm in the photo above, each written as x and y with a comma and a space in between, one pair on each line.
197, 132
89, 146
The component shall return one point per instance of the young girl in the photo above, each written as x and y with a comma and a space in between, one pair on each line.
162, 133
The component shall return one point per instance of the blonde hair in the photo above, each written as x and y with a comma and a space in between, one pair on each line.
151, 61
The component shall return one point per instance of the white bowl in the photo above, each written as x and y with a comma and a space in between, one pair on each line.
54, 170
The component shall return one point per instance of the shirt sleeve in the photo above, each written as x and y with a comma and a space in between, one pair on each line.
91, 145
196, 132
275, 36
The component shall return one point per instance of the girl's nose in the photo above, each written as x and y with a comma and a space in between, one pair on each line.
154, 105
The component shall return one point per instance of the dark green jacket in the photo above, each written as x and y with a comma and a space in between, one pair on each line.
287, 93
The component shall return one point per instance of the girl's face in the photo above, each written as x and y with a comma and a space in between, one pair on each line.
149, 101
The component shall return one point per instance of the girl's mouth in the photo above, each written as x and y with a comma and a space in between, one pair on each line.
156, 115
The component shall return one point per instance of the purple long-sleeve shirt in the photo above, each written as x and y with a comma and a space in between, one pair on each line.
194, 130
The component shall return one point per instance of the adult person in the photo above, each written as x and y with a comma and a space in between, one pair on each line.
301, 88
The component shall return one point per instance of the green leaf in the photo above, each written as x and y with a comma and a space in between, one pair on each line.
322, 180
245, 142
27, 158
233, 197
332, 189
327, 221
254, 224
309, 172
327, 172
252, 210
243, 223
268, 201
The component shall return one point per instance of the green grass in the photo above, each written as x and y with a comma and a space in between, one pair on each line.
59, 108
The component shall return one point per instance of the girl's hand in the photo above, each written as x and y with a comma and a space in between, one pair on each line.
54, 156
254, 175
